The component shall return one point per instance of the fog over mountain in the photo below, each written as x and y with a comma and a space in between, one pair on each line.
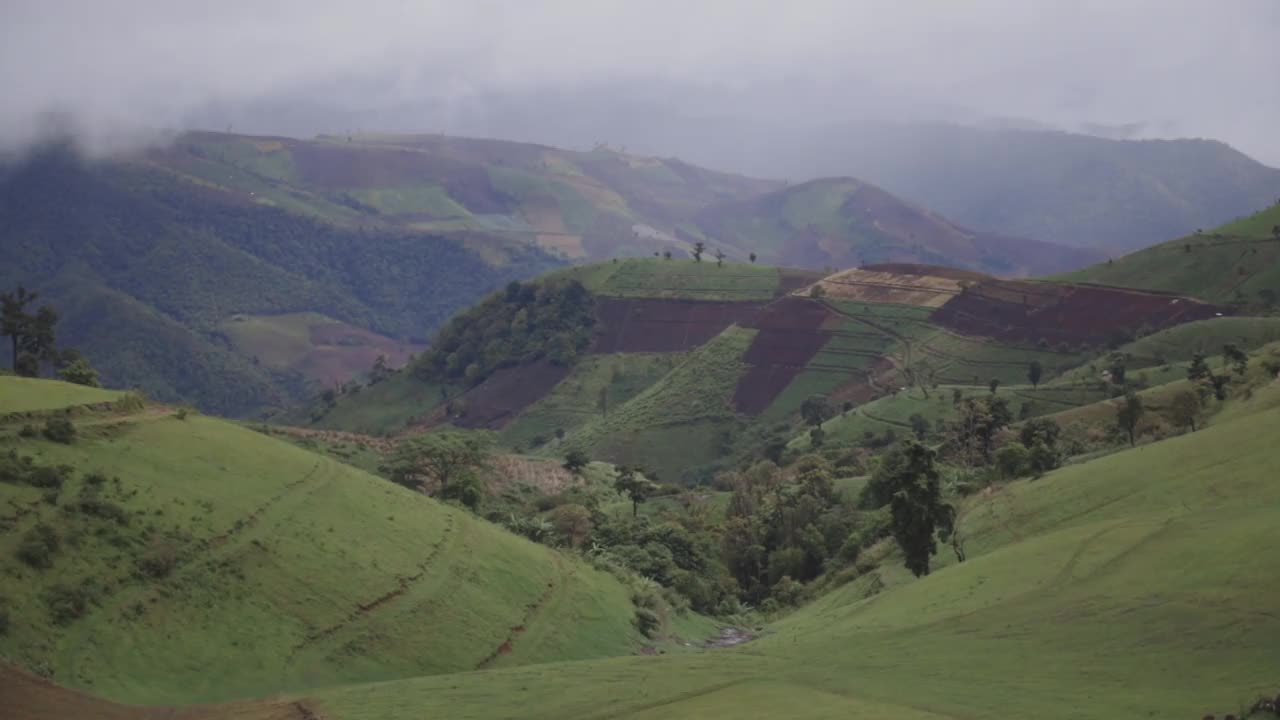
664, 77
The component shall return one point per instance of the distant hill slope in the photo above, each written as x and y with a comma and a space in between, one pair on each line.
148, 269
197, 560
1058, 187
594, 205
840, 222
1237, 263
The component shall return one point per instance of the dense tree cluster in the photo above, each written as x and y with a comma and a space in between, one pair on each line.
524, 323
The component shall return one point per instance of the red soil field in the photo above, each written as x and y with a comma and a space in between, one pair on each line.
1074, 314
649, 325
789, 334
496, 401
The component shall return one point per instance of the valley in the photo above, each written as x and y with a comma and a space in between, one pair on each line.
683, 444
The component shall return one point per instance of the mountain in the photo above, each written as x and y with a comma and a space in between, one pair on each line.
184, 289
1008, 178
238, 273
1064, 188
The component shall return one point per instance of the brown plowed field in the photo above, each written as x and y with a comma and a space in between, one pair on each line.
1077, 314
898, 284
496, 401
24, 696
650, 325
789, 333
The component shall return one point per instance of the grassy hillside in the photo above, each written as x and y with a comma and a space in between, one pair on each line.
148, 269
1236, 263
677, 422
195, 560
1127, 586
25, 395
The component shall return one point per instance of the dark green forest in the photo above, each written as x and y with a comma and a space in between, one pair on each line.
144, 266
524, 323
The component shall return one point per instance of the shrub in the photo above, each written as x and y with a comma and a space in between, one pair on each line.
646, 621
132, 402
48, 476
4, 620
158, 562
99, 508
67, 603
60, 430
28, 431
39, 546
181, 414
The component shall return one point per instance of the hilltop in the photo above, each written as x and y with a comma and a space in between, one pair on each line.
842, 222
685, 366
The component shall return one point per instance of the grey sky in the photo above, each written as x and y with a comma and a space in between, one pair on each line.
1182, 67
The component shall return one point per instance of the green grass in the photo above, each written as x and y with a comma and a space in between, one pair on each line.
677, 422
1130, 586
382, 409
679, 279
21, 395
576, 399
278, 545
1232, 263
276, 340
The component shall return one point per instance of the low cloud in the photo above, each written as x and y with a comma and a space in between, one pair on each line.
1163, 67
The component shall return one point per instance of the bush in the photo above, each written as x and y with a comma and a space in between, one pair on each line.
4, 620
28, 431
99, 508
67, 603
39, 546
181, 414
60, 430
132, 402
646, 621
158, 562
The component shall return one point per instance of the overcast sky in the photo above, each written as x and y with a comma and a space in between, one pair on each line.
1179, 67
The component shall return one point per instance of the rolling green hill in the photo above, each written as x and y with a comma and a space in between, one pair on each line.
1237, 263
1129, 585
180, 558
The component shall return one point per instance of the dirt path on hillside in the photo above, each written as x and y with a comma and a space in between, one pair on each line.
448, 536
532, 610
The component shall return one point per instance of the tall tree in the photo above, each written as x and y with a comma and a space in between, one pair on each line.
1186, 409
719, 257
699, 248
1034, 371
575, 461
1235, 357
917, 511
634, 486
451, 460
1129, 415
31, 335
